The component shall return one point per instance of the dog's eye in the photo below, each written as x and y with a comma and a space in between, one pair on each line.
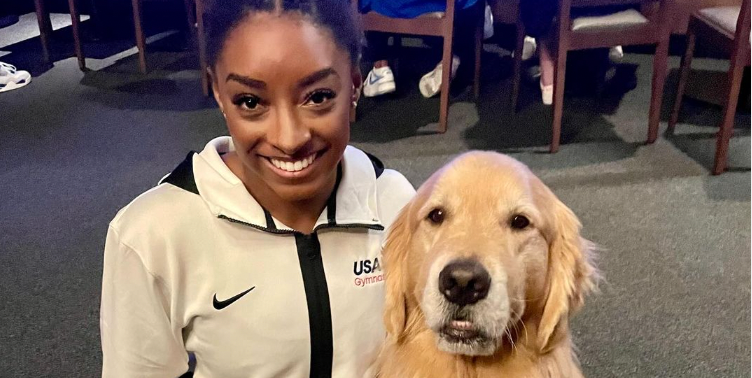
520, 222
436, 216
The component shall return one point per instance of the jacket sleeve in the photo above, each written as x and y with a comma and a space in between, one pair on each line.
138, 337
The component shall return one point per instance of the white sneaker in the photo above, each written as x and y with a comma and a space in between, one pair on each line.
547, 93
488, 23
616, 54
430, 83
11, 78
528, 48
378, 82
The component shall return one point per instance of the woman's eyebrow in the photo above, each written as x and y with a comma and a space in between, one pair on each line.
247, 81
317, 76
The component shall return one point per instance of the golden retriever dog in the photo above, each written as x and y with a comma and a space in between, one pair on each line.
483, 269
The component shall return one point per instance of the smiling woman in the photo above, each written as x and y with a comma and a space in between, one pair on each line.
243, 255
286, 94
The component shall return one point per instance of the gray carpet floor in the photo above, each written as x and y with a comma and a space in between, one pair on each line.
75, 147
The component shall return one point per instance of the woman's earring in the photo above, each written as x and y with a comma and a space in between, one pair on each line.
355, 95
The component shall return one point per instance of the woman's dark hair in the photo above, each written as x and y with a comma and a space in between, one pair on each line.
222, 16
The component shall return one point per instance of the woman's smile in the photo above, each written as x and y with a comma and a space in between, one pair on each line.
293, 167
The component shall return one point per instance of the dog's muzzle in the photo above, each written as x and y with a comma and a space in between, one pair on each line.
463, 283
467, 307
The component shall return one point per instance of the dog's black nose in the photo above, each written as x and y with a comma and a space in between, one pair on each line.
464, 282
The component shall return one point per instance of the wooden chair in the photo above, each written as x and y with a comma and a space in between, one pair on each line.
138, 27
517, 62
201, 36
45, 30
441, 26
655, 31
727, 28
193, 8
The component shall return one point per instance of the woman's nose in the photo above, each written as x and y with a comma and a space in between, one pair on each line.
290, 133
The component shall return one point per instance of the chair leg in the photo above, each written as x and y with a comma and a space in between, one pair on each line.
446, 77
736, 70
517, 70
686, 67
201, 35
559, 76
659, 80
140, 38
45, 28
75, 25
189, 19
478, 51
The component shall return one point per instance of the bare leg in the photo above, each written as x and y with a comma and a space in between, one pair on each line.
547, 68
546, 62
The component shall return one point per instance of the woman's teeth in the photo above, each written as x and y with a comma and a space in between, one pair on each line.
293, 166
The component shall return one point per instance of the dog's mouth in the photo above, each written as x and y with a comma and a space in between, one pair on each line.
464, 337
462, 333
461, 330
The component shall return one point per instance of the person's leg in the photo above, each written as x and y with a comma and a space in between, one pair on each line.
377, 46
547, 67
538, 16
380, 79
463, 48
546, 61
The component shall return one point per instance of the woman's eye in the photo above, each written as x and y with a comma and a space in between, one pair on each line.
319, 97
249, 102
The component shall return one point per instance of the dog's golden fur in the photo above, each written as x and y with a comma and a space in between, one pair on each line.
543, 271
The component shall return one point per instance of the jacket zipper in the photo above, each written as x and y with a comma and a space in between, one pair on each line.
288, 231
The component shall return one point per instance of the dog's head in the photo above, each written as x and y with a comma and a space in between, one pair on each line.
483, 246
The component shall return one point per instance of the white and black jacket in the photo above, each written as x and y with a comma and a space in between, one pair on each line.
197, 265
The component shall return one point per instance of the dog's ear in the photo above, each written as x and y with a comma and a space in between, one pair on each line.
571, 274
395, 256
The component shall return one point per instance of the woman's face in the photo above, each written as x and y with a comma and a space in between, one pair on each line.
286, 90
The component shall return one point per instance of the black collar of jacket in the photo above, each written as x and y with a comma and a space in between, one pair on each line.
182, 177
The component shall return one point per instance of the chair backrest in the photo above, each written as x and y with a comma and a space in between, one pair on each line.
450, 5
569, 4
741, 39
742, 24
431, 26
601, 3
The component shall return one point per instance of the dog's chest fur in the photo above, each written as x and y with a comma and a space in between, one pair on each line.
419, 358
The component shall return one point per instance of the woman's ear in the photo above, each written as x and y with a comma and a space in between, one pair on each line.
571, 275
357, 83
215, 88
395, 261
